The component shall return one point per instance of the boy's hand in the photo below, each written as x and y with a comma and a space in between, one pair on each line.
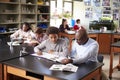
51, 51
39, 53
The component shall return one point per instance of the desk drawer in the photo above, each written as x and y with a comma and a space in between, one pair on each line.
19, 72
16, 71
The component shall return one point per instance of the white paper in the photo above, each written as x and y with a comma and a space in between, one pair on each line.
57, 67
13, 43
71, 32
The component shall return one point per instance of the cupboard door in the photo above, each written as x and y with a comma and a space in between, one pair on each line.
104, 43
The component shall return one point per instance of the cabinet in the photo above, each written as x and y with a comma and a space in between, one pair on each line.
104, 41
93, 36
14, 12
43, 14
9, 14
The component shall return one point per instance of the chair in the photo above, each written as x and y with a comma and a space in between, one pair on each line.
100, 58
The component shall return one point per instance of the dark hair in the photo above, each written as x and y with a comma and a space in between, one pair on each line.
26, 24
63, 20
52, 30
39, 31
77, 20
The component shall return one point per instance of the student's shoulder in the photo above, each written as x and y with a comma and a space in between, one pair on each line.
18, 31
93, 41
61, 40
45, 35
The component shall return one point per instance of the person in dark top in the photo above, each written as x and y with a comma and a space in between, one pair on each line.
64, 26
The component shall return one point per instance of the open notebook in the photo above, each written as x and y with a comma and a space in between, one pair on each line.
62, 67
50, 56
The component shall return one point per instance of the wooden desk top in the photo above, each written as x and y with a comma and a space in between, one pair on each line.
41, 67
116, 44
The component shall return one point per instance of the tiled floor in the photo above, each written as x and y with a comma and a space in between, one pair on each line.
116, 74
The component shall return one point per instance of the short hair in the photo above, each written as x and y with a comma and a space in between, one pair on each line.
26, 24
52, 30
39, 31
82, 33
77, 20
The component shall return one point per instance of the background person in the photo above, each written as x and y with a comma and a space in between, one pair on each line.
25, 32
77, 25
39, 37
64, 26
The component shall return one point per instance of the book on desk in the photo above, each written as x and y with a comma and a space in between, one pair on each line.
61, 67
58, 66
48, 56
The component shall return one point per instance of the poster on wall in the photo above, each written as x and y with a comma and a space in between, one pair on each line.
106, 10
88, 12
97, 13
106, 3
87, 2
116, 3
115, 14
96, 3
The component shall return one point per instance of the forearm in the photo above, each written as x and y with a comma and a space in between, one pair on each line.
36, 49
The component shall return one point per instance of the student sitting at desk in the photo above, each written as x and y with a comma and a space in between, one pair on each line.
24, 32
53, 44
39, 37
84, 49
77, 25
64, 26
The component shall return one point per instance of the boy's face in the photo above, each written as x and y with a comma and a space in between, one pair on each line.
53, 37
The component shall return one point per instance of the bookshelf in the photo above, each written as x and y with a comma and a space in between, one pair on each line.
14, 12
43, 14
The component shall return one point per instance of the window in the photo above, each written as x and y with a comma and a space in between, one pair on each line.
60, 9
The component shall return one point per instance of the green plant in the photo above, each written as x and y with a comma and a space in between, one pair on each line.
66, 14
